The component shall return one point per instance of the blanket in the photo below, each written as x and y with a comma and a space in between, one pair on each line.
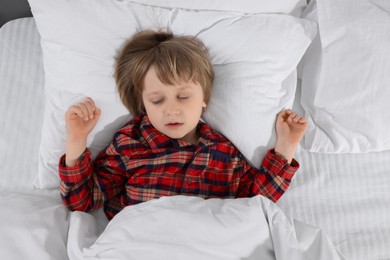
185, 227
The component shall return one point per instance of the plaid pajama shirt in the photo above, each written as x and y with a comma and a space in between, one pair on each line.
142, 164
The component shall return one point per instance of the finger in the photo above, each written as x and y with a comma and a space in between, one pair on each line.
280, 116
83, 107
284, 114
75, 112
90, 100
97, 113
303, 121
281, 113
296, 118
291, 117
90, 106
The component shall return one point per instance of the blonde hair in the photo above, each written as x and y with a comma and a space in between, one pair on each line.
176, 58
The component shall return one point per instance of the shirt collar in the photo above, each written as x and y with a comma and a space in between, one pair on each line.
157, 140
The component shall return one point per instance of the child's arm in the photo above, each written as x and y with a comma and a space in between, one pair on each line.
290, 128
77, 186
90, 183
85, 182
80, 120
278, 166
271, 180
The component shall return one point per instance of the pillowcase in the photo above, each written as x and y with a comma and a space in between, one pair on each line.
293, 7
345, 81
252, 55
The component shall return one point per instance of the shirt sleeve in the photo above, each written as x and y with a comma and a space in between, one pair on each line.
79, 189
90, 184
271, 180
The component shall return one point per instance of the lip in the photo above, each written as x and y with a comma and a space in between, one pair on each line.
174, 125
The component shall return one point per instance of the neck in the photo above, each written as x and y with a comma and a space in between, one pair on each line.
192, 137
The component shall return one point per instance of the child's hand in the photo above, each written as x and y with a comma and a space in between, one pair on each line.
290, 128
81, 118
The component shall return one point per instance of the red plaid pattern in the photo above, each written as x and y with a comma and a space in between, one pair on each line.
142, 164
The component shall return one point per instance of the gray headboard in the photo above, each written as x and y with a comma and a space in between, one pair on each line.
13, 9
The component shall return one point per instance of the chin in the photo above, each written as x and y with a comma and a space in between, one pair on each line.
176, 136
173, 135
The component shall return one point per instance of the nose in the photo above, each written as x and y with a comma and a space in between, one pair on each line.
172, 109
172, 112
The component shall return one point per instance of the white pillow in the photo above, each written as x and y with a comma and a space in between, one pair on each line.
345, 81
293, 7
252, 56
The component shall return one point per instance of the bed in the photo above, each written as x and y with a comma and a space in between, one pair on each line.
325, 59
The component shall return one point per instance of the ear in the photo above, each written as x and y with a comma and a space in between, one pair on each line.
204, 104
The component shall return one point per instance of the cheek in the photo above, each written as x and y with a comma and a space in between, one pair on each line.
154, 117
194, 113
152, 112
197, 105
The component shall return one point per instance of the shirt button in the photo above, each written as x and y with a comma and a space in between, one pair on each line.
189, 181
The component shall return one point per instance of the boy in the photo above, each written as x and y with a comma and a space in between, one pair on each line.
165, 150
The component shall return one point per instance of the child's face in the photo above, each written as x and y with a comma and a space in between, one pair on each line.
174, 110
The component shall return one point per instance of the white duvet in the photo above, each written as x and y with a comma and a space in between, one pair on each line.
182, 227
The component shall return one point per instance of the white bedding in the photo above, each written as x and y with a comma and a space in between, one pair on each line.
32, 227
345, 77
348, 195
184, 227
254, 57
33, 223
21, 103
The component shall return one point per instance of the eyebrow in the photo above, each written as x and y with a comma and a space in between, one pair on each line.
158, 92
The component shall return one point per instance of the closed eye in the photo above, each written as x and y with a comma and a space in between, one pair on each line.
156, 102
182, 97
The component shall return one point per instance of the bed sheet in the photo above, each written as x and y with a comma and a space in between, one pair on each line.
21, 104
34, 223
348, 195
